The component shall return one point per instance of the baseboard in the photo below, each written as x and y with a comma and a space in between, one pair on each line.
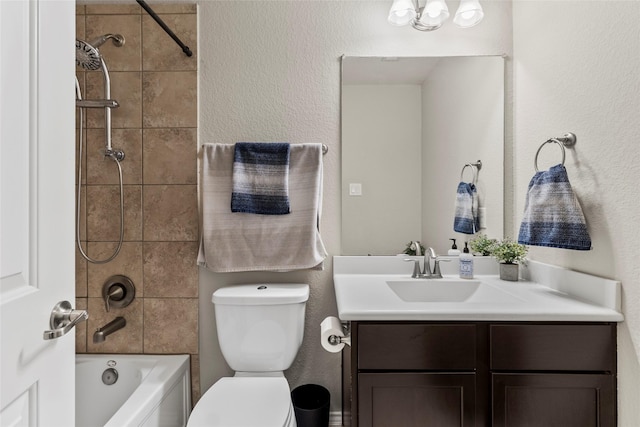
335, 418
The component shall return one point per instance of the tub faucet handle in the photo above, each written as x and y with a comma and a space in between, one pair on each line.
116, 293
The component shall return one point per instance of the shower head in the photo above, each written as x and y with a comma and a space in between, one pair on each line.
87, 56
87, 53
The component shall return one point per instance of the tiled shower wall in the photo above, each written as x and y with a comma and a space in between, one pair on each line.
155, 84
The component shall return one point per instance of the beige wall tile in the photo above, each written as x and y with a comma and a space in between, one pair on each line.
195, 379
81, 328
170, 99
80, 10
171, 325
81, 274
125, 340
83, 211
124, 58
170, 156
127, 263
80, 26
170, 213
126, 88
103, 213
160, 52
113, 9
162, 8
169, 269
101, 170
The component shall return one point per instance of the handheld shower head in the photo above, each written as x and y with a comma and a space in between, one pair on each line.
87, 53
87, 56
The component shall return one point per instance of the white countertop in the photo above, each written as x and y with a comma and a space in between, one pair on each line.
362, 293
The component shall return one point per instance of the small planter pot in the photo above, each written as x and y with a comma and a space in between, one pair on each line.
509, 272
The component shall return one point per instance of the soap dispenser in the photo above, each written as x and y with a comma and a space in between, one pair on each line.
466, 263
454, 249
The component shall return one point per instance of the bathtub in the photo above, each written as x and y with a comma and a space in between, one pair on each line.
114, 390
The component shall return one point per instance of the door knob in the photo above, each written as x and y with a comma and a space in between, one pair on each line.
63, 319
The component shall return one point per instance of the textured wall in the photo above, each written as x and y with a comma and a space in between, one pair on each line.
156, 126
576, 70
270, 71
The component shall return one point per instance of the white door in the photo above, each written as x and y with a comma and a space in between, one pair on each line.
37, 151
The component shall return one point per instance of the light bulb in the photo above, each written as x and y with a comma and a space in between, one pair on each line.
402, 12
435, 13
469, 14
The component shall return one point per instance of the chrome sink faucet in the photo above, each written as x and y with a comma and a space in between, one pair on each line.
427, 272
430, 254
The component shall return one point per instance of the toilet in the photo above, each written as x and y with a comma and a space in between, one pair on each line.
260, 329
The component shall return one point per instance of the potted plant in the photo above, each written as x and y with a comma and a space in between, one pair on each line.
509, 253
482, 245
412, 249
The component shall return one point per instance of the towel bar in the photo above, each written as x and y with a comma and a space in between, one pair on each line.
568, 140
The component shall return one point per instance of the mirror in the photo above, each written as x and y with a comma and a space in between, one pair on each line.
409, 125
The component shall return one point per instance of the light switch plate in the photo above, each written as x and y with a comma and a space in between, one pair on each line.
355, 189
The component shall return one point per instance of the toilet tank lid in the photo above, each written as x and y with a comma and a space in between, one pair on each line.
262, 294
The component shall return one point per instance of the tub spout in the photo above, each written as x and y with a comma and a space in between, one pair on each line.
101, 333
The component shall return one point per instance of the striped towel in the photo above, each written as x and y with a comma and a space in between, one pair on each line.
261, 178
552, 214
466, 218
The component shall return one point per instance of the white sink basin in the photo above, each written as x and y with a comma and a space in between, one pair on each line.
449, 290
434, 290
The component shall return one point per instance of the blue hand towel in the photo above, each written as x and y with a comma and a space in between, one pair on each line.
466, 218
552, 214
261, 178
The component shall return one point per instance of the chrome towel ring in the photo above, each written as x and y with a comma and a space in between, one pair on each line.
568, 141
475, 169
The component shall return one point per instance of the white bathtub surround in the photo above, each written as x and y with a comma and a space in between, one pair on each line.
365, 291
149, 391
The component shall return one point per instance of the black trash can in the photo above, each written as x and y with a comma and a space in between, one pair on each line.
311, 405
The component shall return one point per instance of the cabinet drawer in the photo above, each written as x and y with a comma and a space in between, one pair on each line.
408, 346
553, 347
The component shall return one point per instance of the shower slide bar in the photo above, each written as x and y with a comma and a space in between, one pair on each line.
164, 26
97, 103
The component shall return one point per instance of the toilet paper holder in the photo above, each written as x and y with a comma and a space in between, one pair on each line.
346, 339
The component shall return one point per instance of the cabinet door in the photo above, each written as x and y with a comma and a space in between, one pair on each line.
553, 400
416, 399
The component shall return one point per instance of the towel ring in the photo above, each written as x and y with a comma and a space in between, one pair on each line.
568, 140
475, 169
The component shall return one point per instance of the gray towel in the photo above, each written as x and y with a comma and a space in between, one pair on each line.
247, 242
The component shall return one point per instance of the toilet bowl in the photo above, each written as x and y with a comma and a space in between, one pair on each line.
245, 402
260, 329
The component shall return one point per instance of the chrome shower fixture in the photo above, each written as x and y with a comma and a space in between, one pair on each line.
117, 39
87, 54
89, 58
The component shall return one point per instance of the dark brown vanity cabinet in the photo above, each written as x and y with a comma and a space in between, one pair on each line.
441, 374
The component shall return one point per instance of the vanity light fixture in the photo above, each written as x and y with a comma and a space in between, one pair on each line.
432, 15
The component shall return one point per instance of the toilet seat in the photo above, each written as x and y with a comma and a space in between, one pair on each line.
245, 402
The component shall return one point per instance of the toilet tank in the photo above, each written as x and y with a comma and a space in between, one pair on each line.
260, 327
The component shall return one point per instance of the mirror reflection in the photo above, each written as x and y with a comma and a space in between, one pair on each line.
409, 125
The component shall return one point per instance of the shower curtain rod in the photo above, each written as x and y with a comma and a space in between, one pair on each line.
160, 22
